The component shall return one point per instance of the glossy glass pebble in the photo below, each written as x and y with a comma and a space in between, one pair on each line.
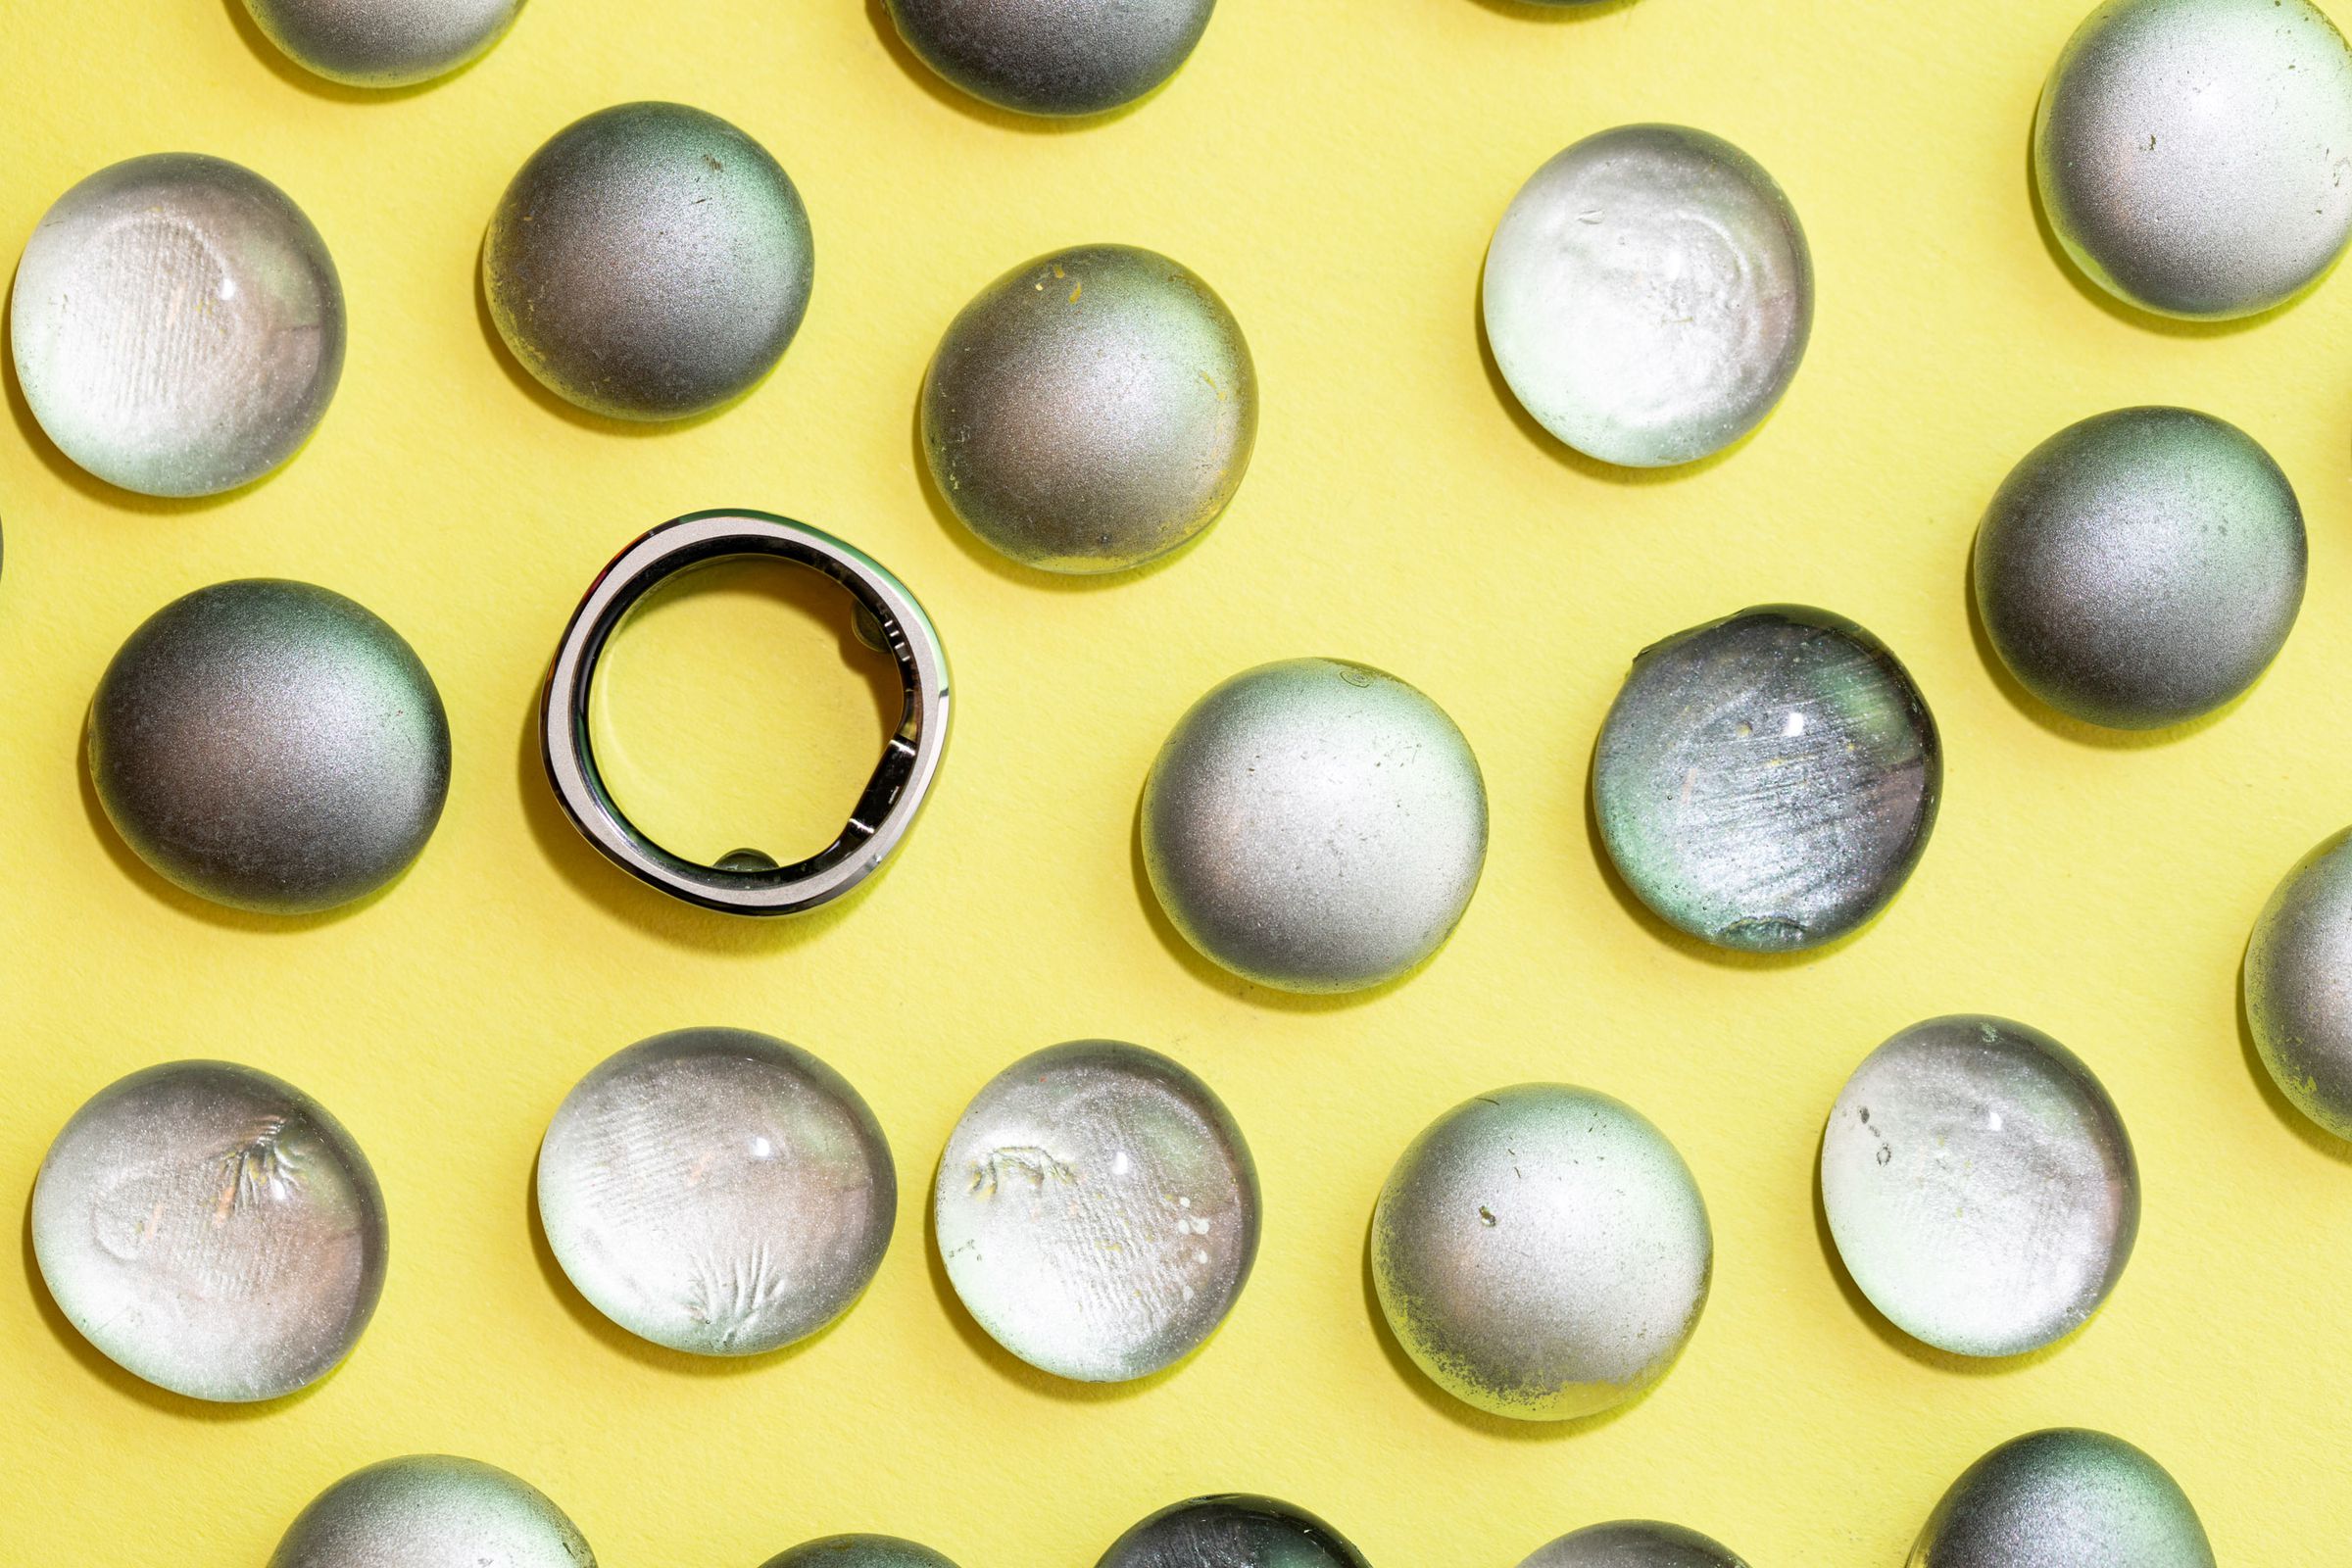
1315, 825
716, 1191
2141, 567
1766, 782
383, 43
1980, 1185
430, 1510
651, 261
271, 745
177, 325
1542, 1252
1098, 1210
1232, 1532
1091, 409
1054, 57
2064, 1499
2297, 1005
213, 1230
2191, 152
1649, 295
858, 1552
1634, 1543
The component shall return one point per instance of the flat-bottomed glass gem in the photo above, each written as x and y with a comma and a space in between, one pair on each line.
430, 1510
2064, 1499
1098, 1210
1053, 56
212, 1229
2297, 1005
1634, 1543
178, 324
1232, 1532
716, 1191
1766, 782
1649, 295
1980, 1185
858, 1552
1542, 1252
383, 43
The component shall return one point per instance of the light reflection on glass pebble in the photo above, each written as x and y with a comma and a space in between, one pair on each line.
430, 1510
858, 1552
1232, 1532
1634, 1543
383, 43
1098, 1209
2064, 1499
212, 1229
2297, 1006
716, 1191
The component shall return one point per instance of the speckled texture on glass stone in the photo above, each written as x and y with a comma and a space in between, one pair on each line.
858, 1552
2191, 154
2298, 985
1315, 825
178, 324
1054, 57
270, 745
2064, 1499
651, 261
212, 1229
717, 1191
2141, 567
1980, 1185
1649, 295
1098, 1210
1542, 1252
1091, 410
383, 43
1232, 1532
1766, 782
1634, 1543
430, 1510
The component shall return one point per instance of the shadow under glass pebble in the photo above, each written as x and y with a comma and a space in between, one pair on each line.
383, 43
1980, 1186
1097, 1210
2191, 152
2297, 1005
430, 1510
271, 746
1542, 1252
2141, 567
177, 325
717, 1191
1649, 295
651, 261
1634, 1543
1231, 1531
1766, 782
2064, 1499
1053, 56
212, 1229
858, 1552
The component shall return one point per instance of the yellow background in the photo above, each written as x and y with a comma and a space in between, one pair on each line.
1334, 168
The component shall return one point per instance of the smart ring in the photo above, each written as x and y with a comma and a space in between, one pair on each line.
749, 882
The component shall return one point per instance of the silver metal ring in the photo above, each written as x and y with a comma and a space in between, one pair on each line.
748, 882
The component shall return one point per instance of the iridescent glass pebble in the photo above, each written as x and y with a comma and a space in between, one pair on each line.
178, 324
1767, 781
1091, 409
716, 1191
2141, 567
430, 1510
1542, 1252
2191, 154
270, 745
858, 1552
1232, 1532
1980, 1186
1098, 1210
1649, 295
1054, 57
2297, 1003
1315, 825
383, 43
212, 1229
651, 261
1634, 1543
2064, 1499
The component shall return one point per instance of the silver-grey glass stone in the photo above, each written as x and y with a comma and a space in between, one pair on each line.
1542, 1252
2191, 152
1091, 410
1231, 1531
430, 1510
383, 43
858, 1552
1315, 825
1980, 1186
2141, 567
717, 1191
651, 261
212, 1229
1634, 1543
2298, 1002
1054, 57
177, 325
1649, 295
1766, 782
1098, 1210
271, 745
2064, 1499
